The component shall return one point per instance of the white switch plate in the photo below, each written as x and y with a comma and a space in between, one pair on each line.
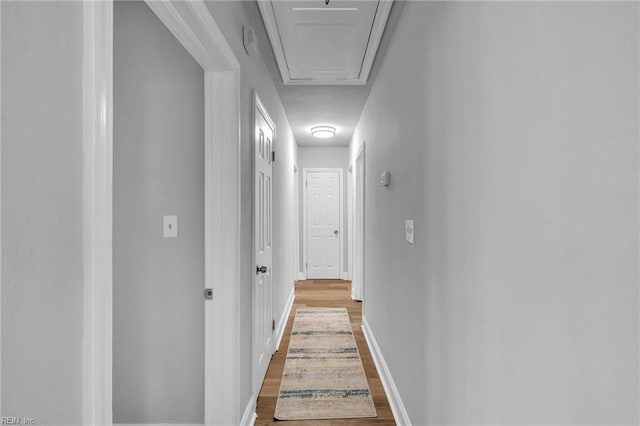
408, 231
170, 226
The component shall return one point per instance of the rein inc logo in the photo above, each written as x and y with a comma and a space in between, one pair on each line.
17, 421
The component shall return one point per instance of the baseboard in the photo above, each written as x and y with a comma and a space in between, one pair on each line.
397, 407
302, 276
345, 276
249, 416
282, 322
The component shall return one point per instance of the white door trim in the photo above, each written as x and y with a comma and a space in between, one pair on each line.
97, 184
357, 285
295, 231
305, 171
350, 223
192, 24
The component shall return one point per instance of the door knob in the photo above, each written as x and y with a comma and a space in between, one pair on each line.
261, 269
335, 232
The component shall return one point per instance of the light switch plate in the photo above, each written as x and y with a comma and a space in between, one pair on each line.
170, 226
408, 230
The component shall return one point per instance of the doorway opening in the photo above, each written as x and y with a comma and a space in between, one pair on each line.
194, 27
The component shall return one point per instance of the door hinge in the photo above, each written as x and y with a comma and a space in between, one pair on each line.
273, 325
273, 156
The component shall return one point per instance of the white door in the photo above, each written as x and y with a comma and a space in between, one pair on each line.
323, 223
264, 133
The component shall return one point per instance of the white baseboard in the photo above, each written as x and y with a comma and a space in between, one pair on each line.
346, 276
397, 407
282, 322
302, 276
249, 416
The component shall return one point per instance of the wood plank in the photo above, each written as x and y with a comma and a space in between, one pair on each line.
329, 294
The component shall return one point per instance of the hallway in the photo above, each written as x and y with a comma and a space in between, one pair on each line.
487, 162
323, 293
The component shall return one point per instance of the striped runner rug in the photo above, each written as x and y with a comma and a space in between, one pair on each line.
323, 376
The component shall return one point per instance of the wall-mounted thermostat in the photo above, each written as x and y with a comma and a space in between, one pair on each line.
385, 178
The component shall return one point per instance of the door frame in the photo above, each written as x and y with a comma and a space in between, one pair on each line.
192, 24
305, 172
357, 285
350, 224
295, 231
256, 382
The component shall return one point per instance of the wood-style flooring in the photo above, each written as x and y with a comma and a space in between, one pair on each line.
330, 294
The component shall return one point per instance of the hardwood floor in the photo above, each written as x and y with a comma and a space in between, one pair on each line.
323, 293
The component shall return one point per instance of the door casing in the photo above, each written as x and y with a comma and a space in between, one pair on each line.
295, 232
357, 274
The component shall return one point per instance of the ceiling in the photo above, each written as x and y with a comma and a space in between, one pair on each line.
340, 89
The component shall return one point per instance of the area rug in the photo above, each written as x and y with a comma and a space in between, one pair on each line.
323, 376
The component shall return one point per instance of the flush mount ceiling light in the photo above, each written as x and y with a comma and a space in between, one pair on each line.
323, 132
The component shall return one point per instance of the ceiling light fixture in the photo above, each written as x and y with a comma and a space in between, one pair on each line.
323, 132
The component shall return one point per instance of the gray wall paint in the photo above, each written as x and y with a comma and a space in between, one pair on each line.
511, 132
41, 216
231, 16
324, 157
42, 211
158, 311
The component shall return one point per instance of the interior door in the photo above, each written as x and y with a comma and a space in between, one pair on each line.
264, 134
323, 214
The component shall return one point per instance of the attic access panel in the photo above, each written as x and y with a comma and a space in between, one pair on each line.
319, 43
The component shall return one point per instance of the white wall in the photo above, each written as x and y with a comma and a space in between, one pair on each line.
42, 211
42, 202
511, 132
324, 157
231, 16
158, 307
